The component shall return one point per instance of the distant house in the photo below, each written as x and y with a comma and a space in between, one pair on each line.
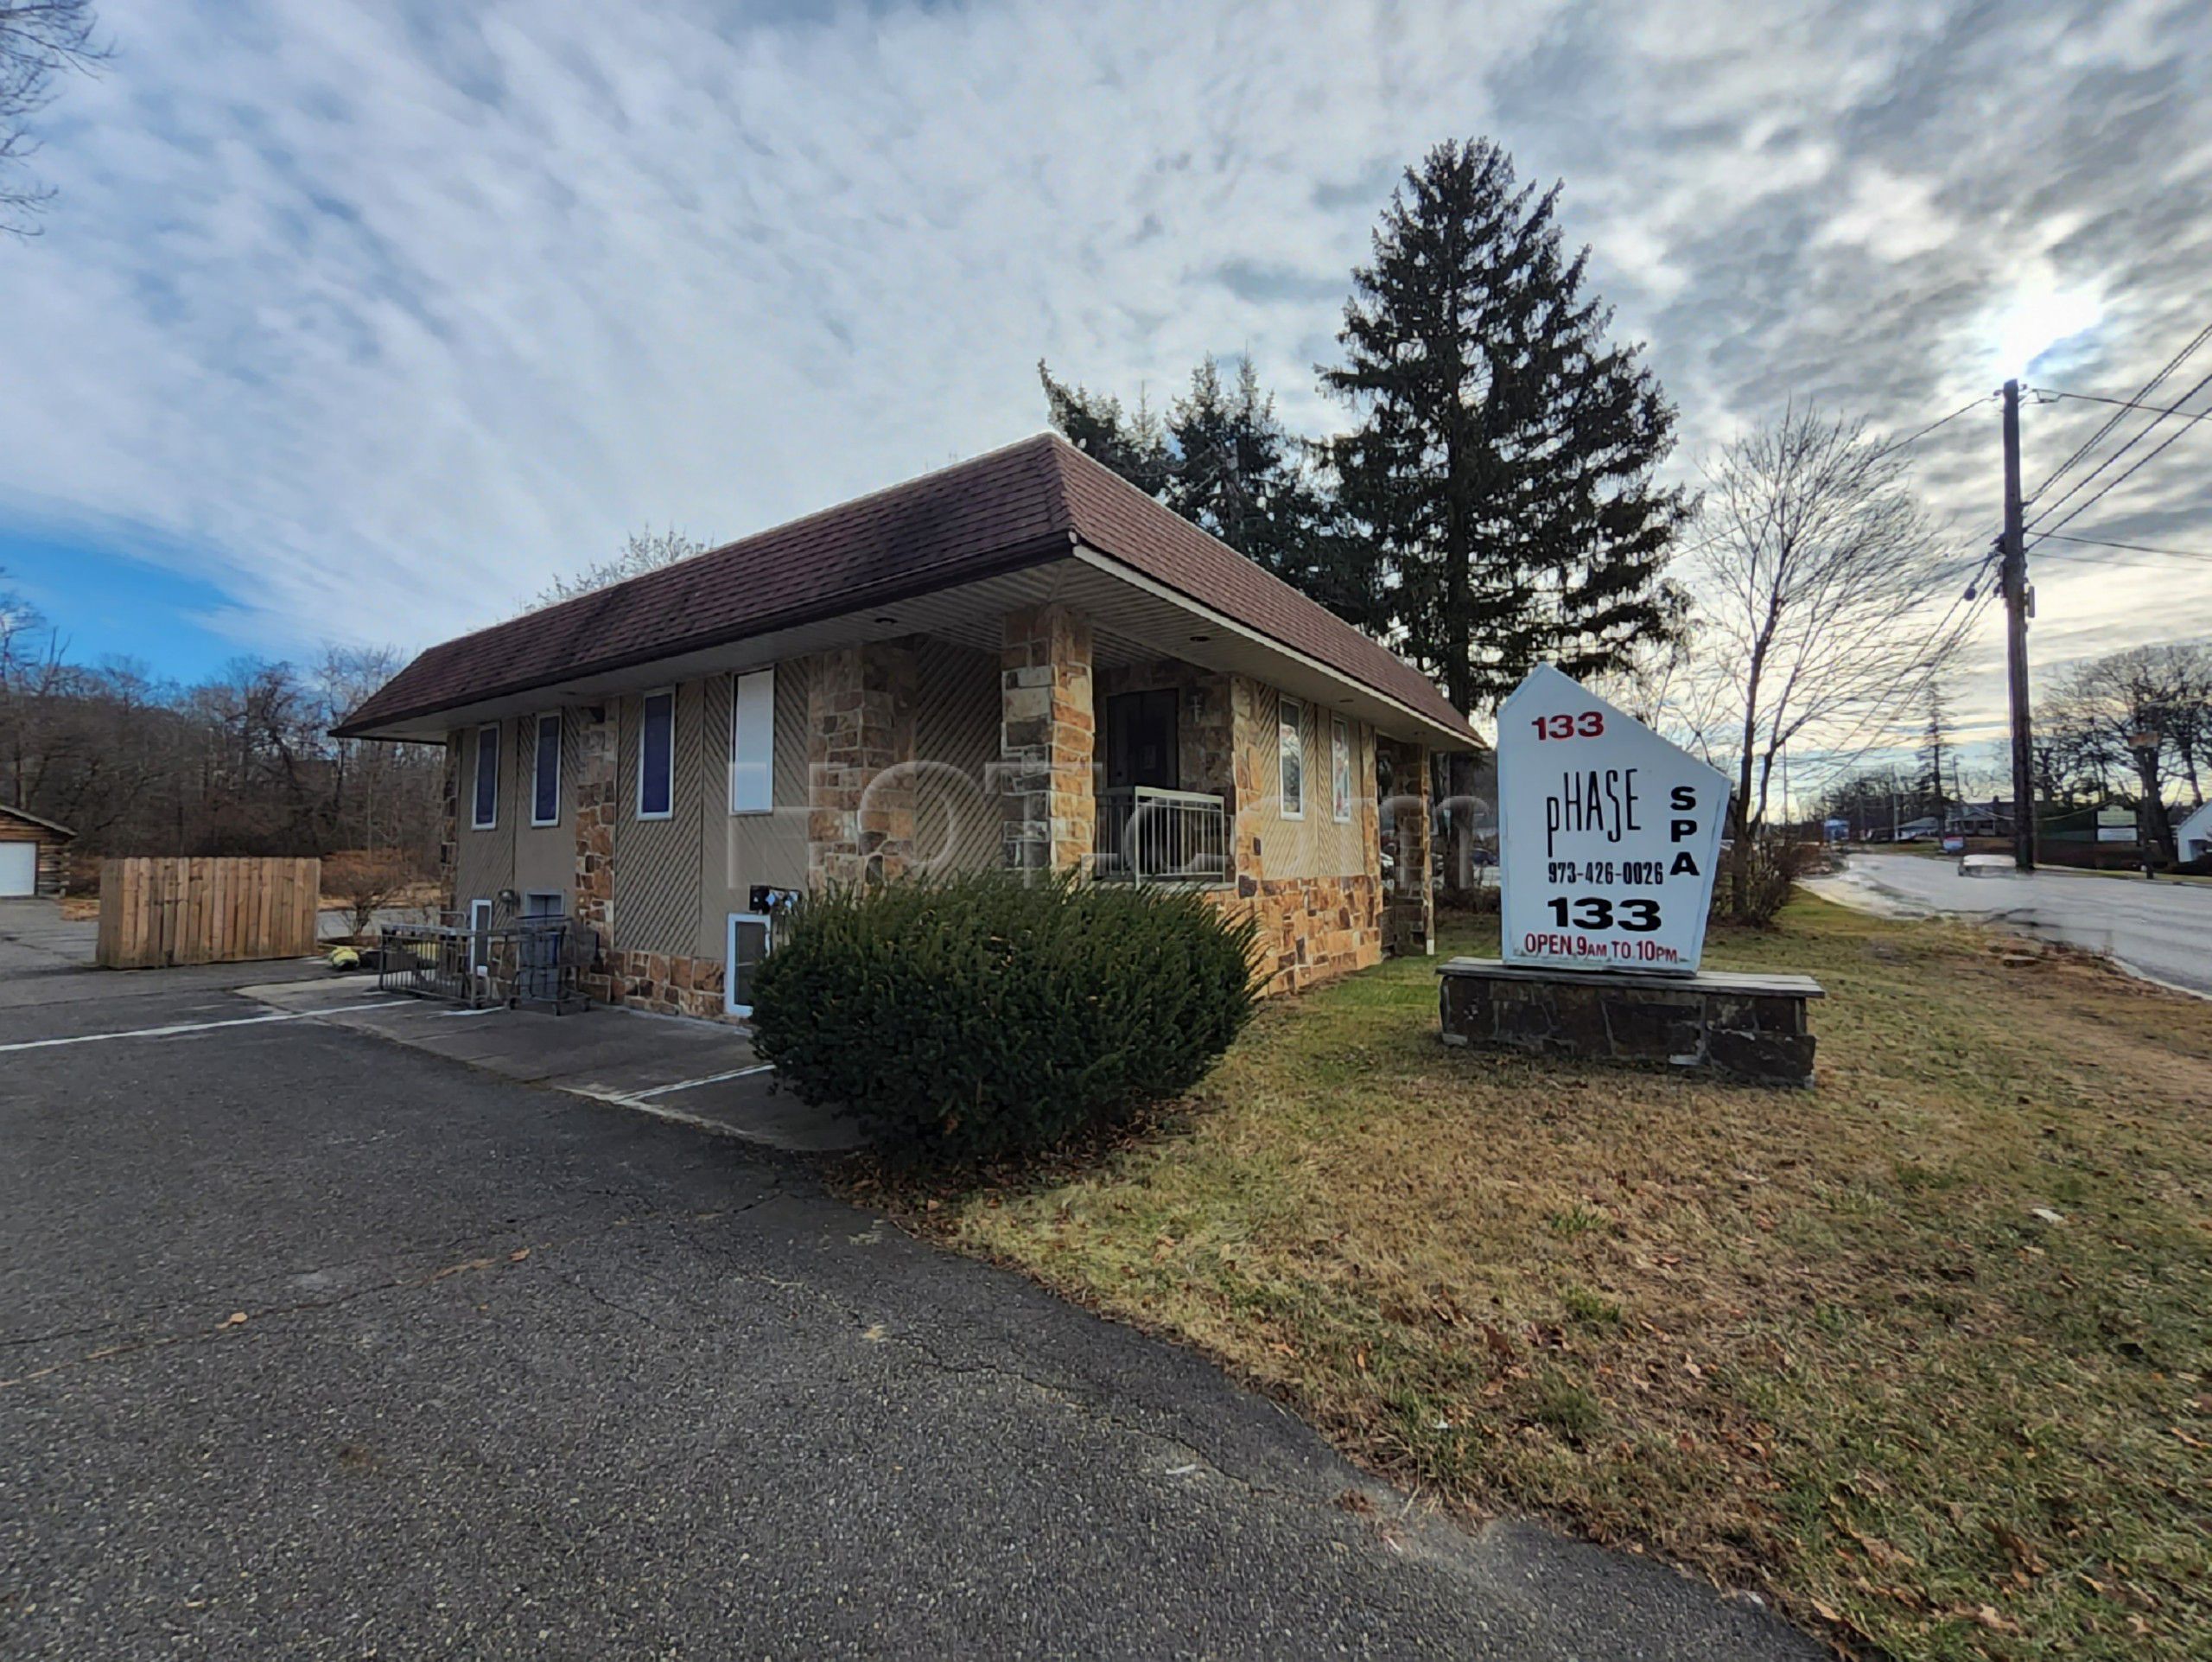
1990, 819
31, 854
2193, 836
1021, 661
1925, 829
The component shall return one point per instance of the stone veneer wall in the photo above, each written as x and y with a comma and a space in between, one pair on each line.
1047, 739
1409, 913
1311, 929
860, 736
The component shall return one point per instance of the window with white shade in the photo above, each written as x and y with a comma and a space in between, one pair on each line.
657, 756
1339, 767
753, 743
545, 773
1290, 739
485, 813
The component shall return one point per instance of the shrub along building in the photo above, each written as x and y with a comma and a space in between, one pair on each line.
1019, 660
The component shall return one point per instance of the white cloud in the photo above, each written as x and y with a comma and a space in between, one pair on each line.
380, 313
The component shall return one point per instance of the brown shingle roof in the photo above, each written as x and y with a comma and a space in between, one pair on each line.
1021, 506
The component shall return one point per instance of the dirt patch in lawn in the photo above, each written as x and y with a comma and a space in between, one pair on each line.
1920, 1354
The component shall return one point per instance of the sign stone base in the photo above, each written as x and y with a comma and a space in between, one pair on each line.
1748, 1026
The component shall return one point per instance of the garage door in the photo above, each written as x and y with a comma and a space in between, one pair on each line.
18, 868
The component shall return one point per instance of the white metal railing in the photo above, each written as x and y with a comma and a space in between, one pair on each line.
1147, 835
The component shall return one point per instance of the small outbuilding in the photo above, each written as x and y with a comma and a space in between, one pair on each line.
2193, 836
31, 854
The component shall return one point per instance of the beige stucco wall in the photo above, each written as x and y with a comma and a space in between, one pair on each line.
514, 854
484, 861
738, 850
545, 856
959, 824
657, 862
1315, 845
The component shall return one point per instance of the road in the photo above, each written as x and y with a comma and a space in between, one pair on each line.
2162, 930
312, 1345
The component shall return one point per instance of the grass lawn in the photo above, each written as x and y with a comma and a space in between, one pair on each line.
1922, 1353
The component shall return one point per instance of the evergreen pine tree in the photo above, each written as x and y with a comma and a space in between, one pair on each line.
1225, 460
1134, 446
1504, 463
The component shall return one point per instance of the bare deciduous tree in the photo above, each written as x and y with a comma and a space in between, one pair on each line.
2099, 708
1817, 566
39, 39
647, 551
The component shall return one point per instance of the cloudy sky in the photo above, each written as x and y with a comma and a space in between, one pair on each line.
352, 322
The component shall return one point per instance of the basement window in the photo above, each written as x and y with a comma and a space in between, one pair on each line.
657, 756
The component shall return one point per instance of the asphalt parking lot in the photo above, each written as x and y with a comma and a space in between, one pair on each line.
319, 1345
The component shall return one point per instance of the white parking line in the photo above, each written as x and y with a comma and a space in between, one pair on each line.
198, 1026
709, 1079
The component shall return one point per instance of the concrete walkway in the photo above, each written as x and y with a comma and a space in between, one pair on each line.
697, 1074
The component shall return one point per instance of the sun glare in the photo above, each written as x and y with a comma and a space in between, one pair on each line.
2040, 316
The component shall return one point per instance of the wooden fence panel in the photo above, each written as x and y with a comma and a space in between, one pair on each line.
205, 911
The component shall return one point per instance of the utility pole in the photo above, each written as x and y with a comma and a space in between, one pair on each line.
2014, 570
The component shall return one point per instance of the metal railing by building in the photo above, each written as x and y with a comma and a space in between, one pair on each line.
1147, 835
534, 961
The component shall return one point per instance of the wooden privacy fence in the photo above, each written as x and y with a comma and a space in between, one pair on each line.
195, 911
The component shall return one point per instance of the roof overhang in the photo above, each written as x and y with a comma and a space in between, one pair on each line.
1133, 618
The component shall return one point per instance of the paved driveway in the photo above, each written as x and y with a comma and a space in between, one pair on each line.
2162, 929
314, 1345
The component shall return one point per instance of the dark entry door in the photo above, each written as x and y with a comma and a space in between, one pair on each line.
1141, 739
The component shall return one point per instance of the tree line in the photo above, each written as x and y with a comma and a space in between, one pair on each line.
2127, 729
240, 763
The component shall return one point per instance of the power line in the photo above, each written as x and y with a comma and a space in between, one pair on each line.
1914, 438
2106, 489
2142, 433
2097, 437
2125, 404
1937, 654
2133, 548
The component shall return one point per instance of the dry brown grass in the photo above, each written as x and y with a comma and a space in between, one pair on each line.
1823, 1344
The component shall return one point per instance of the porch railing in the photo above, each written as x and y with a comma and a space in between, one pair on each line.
518, 961
1147, 835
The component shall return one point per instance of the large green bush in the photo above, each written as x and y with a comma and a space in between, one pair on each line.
983, 1016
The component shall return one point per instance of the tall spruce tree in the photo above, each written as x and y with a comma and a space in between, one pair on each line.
1504, 459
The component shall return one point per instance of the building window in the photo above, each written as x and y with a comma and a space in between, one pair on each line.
750, 934
546, 776
1339, 767
1291, 743
753, 743
487, 810
657, 757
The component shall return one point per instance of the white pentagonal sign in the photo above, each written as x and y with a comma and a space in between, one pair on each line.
1609, 836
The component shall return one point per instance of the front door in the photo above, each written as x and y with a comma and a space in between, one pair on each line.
1141, 739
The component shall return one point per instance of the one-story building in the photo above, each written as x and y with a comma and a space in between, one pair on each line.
32, 854
1020, 660
2193, 836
